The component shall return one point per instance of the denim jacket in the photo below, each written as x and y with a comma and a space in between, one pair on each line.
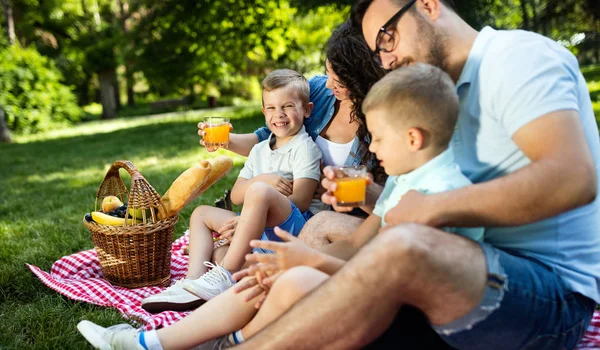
324, 102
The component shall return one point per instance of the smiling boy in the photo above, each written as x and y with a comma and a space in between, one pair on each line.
275, 187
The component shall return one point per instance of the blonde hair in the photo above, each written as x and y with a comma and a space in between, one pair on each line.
420, 96
280, 78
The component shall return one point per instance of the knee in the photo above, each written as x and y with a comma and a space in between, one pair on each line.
295, 283
404, 244
200, 212
314, 225
259, 192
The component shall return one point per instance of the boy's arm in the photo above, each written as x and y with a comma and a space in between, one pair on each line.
346, 248
242, 143
302, 193
277, 181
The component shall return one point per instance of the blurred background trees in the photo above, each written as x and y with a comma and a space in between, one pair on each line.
62, 61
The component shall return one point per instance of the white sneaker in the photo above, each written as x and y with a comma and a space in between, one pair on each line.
211, 284
174, 298
121, 336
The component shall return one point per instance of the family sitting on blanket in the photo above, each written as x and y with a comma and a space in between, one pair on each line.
526, 137
412, 145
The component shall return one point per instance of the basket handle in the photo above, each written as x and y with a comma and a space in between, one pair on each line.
141, 196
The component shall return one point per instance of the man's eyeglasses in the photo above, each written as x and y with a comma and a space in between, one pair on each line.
386, 41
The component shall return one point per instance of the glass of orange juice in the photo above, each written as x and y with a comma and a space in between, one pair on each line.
216, 132
351, 185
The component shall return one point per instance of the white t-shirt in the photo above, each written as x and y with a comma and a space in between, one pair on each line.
300, 158
334, 154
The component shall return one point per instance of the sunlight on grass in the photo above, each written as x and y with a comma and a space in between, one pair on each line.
107, 126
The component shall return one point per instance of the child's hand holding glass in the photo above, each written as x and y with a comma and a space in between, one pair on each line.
214, 132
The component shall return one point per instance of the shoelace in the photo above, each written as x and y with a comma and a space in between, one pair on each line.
215, 275
177, 284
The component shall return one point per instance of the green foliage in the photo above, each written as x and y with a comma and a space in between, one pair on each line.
31, 92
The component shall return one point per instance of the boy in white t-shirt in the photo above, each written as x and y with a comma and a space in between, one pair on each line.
275, 187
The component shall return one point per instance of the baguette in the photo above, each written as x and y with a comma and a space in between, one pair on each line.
182, 190
192, 183
220, 167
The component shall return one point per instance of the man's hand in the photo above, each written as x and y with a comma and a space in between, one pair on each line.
280, 183
202, 133
415, 207
228, 229
329, 185
287, 254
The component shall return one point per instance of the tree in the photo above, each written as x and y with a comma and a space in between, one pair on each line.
9, 18
4, 133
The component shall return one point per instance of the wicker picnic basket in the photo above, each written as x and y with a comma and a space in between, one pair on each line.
133, 255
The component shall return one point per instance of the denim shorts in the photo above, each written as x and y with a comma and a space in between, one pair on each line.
293, 224
526, 305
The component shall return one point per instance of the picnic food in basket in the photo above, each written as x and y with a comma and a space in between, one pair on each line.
133, 241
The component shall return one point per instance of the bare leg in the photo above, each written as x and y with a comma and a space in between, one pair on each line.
327, 227
203, 221
287, 290
225, 313
442, 274
263, 207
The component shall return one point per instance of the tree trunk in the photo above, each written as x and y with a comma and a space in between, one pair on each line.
107, 94
525, 15
4, 133
535, 20
130, 82
10, 21
116, 89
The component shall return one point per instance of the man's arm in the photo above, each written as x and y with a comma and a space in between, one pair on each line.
346, 248
561, 177
302, 193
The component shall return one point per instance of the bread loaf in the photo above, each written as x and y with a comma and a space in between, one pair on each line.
183, 188
192, 183
220, 167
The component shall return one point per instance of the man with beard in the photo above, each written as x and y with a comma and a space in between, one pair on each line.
527, 138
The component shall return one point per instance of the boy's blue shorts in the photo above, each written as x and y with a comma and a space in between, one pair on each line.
293, 224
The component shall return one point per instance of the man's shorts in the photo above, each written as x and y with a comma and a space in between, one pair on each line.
293, 224
526, 305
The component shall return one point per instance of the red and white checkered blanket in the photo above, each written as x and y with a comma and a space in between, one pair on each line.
79, 277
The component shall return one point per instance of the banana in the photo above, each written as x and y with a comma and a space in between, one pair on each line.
105, 219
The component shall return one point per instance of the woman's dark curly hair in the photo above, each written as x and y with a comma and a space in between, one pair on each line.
352, 61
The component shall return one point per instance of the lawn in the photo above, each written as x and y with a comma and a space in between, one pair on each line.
49, 181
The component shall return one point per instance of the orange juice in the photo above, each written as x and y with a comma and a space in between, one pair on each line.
217, 135
351, 191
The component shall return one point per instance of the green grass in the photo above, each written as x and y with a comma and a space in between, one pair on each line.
49, 181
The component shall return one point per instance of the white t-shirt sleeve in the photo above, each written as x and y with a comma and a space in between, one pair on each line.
247, 171
527, 80
307, 162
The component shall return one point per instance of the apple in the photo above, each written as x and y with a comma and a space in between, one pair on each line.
138, 213
110, 203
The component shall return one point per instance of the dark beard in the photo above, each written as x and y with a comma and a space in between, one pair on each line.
438, 55
434, 44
